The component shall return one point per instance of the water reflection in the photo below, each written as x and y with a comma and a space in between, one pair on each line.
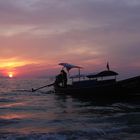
15, 116
8, 105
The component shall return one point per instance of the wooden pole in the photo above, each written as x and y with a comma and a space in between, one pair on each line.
79, 74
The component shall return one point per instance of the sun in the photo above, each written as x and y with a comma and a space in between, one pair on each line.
10, 75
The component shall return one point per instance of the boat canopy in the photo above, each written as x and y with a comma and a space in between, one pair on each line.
103, 74
69, 66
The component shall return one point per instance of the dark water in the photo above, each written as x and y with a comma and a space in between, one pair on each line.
43, 115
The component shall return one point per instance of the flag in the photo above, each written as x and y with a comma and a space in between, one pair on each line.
107, 66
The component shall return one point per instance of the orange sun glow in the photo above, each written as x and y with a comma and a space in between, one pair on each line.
10, 75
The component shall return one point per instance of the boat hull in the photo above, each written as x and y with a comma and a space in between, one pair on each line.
128, 88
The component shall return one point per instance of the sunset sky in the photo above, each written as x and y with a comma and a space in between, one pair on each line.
36, 35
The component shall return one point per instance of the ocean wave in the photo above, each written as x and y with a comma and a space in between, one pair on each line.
6, 100
70, 135
4, 122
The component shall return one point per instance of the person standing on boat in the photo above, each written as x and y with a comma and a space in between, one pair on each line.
61, 79
58, 80
64, 78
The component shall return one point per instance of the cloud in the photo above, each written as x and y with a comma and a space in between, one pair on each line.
88, 32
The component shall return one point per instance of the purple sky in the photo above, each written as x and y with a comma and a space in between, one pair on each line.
36, 35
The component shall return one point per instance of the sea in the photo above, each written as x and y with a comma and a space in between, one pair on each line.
45, 115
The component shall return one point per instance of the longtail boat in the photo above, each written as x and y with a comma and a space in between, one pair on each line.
102, 84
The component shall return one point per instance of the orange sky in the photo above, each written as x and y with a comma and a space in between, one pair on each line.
36, 35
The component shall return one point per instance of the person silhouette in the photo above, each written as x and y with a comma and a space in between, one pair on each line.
58, 80
64, 78
61, 79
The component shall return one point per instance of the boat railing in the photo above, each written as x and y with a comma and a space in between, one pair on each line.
84, 83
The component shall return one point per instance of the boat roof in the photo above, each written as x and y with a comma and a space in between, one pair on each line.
103, 74
69, 66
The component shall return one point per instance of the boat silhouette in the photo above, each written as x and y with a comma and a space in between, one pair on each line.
102, 85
